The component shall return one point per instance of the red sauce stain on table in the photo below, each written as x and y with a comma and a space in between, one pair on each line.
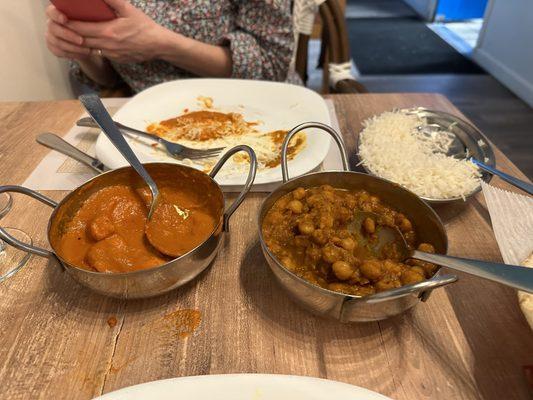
183, 323
112, 321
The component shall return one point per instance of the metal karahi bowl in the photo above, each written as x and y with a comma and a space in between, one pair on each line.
344, 307
147, 282
468, 142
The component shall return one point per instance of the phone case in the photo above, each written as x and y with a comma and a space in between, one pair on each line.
85, 10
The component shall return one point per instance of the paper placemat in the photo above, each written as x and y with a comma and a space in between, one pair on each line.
511, 215
59, 172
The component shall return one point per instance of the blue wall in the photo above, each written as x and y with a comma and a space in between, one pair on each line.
451, 10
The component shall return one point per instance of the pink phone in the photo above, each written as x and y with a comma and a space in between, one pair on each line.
85, 10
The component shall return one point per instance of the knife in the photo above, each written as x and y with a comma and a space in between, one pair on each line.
54, 142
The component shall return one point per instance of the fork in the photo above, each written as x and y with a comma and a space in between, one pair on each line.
175, 150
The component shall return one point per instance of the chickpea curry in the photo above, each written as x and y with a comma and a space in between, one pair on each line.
314, 234
110, 232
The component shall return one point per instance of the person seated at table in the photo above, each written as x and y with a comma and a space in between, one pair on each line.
153, 41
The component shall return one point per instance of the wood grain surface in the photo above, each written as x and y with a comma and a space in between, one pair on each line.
59, 340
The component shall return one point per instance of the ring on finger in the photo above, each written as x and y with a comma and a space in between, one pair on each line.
99, 52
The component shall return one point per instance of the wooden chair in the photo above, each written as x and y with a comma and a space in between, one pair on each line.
335, 48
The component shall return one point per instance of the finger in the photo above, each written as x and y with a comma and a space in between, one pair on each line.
66, 34
96, 43
62, 54
66, 46
122, 8
55, 15
90, 29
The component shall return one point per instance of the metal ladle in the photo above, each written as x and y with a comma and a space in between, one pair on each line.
97, 111
99, 114
510, 275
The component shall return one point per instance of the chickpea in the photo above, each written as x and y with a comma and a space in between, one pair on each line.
369, 225
372, 269
348, 244
386, 284
329, 196
364, 197
351, 202
288, 263
387, 220
419, 270
405, 225
392, 267
410, 276
398, 218
338, 287
320, 237
342, 270
365, 290
426, 247
326, 221
366, 207
313, 254
330, 254
295, 206
298, 193
301, 241
306, 227
326, 188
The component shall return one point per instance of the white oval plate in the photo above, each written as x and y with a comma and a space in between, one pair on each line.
277, 105
244, 387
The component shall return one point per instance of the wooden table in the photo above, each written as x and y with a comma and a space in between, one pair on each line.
58, 340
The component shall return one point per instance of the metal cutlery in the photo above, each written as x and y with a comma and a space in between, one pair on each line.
514, 276
525, 186
54, 142
175, 150
97, 111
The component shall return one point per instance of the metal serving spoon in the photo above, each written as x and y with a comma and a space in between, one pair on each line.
525, 186
510, 275
97, 111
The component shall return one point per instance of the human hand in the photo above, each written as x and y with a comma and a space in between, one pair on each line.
131, 37
62, 41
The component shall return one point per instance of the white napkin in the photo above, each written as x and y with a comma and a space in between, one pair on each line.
512, 221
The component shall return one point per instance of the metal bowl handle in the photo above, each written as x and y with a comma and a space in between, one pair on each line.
421, 287
306, 125
6, 237
249, 181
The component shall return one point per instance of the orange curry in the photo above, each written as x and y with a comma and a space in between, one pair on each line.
110, 232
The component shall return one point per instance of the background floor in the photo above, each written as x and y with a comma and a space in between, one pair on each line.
502, 116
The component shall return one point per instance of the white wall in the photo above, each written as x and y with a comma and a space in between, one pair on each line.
27, 70
425, 8
505, 45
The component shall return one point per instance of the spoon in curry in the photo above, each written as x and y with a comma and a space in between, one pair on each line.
97, 111
510, 275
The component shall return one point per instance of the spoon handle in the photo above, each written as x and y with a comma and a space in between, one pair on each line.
525, 186
97, 111
510, 275
57, 143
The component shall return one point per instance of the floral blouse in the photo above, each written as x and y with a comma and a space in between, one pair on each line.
257, 32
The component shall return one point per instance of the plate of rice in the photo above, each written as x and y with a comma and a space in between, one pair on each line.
427, 152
